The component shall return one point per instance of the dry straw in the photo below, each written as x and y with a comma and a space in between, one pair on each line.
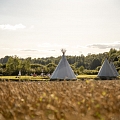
65, 100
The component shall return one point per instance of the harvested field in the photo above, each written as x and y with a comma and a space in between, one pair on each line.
64, 100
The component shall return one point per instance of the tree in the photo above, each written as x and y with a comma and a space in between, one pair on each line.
4, 60
95, 63
12, 65
51, 67
25, 66
82, 69
112, 50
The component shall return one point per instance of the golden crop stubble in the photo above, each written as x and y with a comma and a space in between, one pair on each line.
65, 99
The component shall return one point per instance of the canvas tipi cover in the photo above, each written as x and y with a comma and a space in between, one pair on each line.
114, 69
106, 70
63, 71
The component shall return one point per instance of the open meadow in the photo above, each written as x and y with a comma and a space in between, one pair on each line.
60, 100
23, 78
40, 78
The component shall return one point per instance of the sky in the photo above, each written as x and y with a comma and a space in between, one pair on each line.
41, 28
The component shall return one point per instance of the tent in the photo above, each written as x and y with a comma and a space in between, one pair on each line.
106, 71
63, 71
114, 69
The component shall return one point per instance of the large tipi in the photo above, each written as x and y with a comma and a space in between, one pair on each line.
106, 71
63, 71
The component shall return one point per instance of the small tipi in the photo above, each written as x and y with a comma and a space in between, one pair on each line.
106, 71
63, 71
114, 69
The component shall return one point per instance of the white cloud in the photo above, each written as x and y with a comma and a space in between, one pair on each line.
105, 45
12, 27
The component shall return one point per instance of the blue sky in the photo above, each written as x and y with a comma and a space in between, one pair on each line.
41, 28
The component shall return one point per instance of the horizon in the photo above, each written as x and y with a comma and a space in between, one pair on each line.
59, 55
39, 29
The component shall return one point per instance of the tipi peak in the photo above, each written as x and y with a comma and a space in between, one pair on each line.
63, 51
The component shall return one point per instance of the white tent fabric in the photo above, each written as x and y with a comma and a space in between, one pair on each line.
63, 71
106, 70
114, 69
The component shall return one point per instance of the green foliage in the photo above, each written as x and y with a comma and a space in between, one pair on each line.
119, 72
90, 72
51, 65
14, 64
98, 68
10, 65
95, 63
4, 60
82, 69
36, 65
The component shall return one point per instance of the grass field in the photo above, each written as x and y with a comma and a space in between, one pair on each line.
87, 76
37, 78
64, 100
26, 78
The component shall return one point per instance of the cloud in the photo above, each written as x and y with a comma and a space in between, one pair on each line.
12, 27
105, 45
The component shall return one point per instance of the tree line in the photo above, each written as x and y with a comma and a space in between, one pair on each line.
90, 64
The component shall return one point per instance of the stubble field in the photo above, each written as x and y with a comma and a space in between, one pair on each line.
64, 100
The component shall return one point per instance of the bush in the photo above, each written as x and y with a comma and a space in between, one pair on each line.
90, 72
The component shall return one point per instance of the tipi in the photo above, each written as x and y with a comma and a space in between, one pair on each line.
63, 71
114, 69
106, 71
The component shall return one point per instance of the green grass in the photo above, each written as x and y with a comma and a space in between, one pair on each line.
23, 78
37, 78
42, 78
86, 76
